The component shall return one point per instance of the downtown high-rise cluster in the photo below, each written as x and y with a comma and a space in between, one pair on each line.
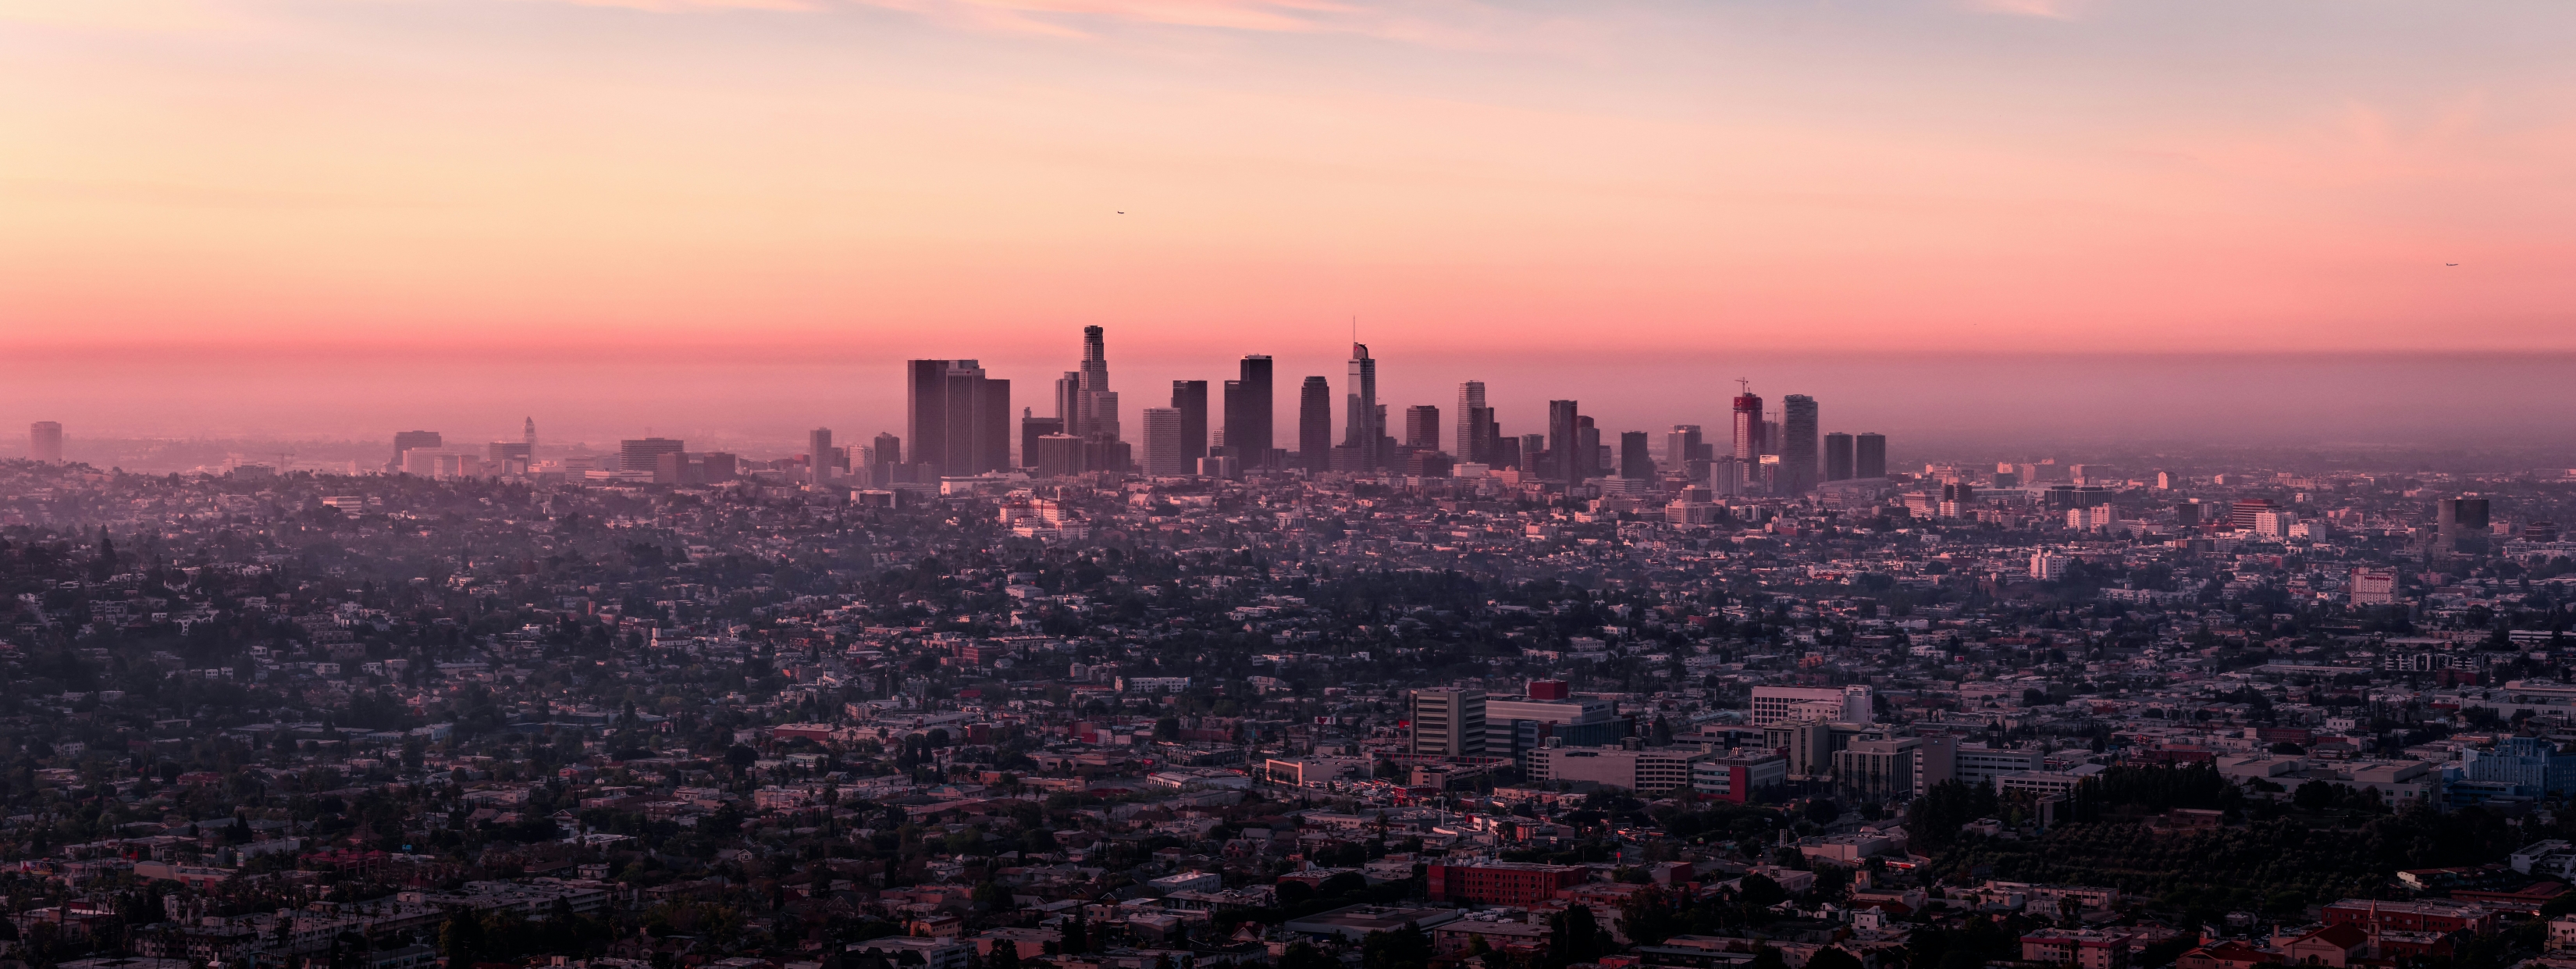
958, 420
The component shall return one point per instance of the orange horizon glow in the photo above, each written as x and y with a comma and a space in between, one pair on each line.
742, 178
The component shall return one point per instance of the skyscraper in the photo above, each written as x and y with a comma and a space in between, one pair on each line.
1096, 404
1748, 432
645, 454
1486, 439
958, 419
530, 436
408, 441
1681, 446
1748, 427
888, 449
818, 455
1838, 456
1595, 459
1797, 444
1165, 456
1362, 426
1869, 456
2461, 526
1564, 443
1422, 427
1634, 463
1033, 427
1068, 399
1190, 398
1249, 414
45, 442
1314, 425
1470, 444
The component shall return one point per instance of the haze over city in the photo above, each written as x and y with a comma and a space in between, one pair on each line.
1287, 484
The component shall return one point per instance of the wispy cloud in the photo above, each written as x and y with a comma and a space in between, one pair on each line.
1459, 23
118, 14
2051, 9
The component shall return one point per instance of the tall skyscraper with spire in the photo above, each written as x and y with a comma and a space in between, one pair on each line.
1469, 444
1096, 404
1362, 421
531, 435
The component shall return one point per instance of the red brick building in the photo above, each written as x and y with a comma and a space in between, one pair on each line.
1501, 882
2427, 916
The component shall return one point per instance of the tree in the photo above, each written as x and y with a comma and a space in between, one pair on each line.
1759, 891
1404, 948
461, 938
1833, 957
1077, 936
1648, 917
1574, 936
1304, 955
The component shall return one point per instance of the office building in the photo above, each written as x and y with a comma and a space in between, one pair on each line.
1634, 462
1974, 764
1682, 446
508, 457
888, 450
1869, 456
1033, 427
1248, 413
2462, 526
1059, 455
1741, 777
1748, 428
1587, 447
957, 418
1422, 427
1461, 880
645, 454
1314, 424
1095, 406
1644, 771
1486, 437
45, 442
1449, 723
1845, 704
1797, 448
1517, 726
1364, 423
2374, 587
1472, 444
1877, 769
1564, 443
821, 465
1166, 455
1534, 456
1838, 457
407, 441
1190, 398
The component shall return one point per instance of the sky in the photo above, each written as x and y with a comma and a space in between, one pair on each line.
401, 199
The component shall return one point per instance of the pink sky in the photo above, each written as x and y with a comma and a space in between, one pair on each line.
870, 179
